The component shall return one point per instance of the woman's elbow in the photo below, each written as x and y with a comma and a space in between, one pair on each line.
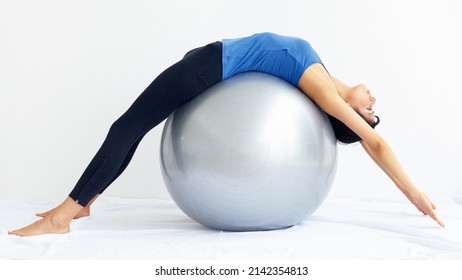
377, 144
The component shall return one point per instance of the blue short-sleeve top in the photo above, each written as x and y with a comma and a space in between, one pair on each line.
282, 56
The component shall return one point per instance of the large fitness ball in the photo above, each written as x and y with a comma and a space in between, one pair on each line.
250, 153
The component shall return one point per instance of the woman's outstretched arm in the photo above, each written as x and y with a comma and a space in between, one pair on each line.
319, 86
403, 182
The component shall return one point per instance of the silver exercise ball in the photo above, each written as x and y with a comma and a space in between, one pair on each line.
250, 153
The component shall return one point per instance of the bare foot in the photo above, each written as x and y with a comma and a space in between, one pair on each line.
43, 226
44, 214
84, 213
55, 221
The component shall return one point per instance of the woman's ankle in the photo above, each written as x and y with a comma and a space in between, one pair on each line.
85, 212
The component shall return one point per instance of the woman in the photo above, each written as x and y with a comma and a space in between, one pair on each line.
350, 110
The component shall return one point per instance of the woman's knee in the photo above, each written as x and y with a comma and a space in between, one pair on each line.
119, 130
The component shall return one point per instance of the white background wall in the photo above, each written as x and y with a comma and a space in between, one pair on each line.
68, 69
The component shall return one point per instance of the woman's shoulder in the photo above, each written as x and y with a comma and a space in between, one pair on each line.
268, 36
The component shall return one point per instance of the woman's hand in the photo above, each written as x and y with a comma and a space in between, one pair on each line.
424, 205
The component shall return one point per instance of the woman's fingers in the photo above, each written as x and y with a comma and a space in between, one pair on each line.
431, 203
434, 217
427, 207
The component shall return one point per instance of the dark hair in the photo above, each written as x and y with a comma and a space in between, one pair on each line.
343, 133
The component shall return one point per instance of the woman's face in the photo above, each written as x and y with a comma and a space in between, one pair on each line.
361, 100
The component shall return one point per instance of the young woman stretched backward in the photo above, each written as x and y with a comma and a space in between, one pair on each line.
350, 111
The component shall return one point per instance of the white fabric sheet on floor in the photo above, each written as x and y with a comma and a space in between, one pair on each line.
156, 229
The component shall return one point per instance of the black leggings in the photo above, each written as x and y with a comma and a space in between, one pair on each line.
198, 70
